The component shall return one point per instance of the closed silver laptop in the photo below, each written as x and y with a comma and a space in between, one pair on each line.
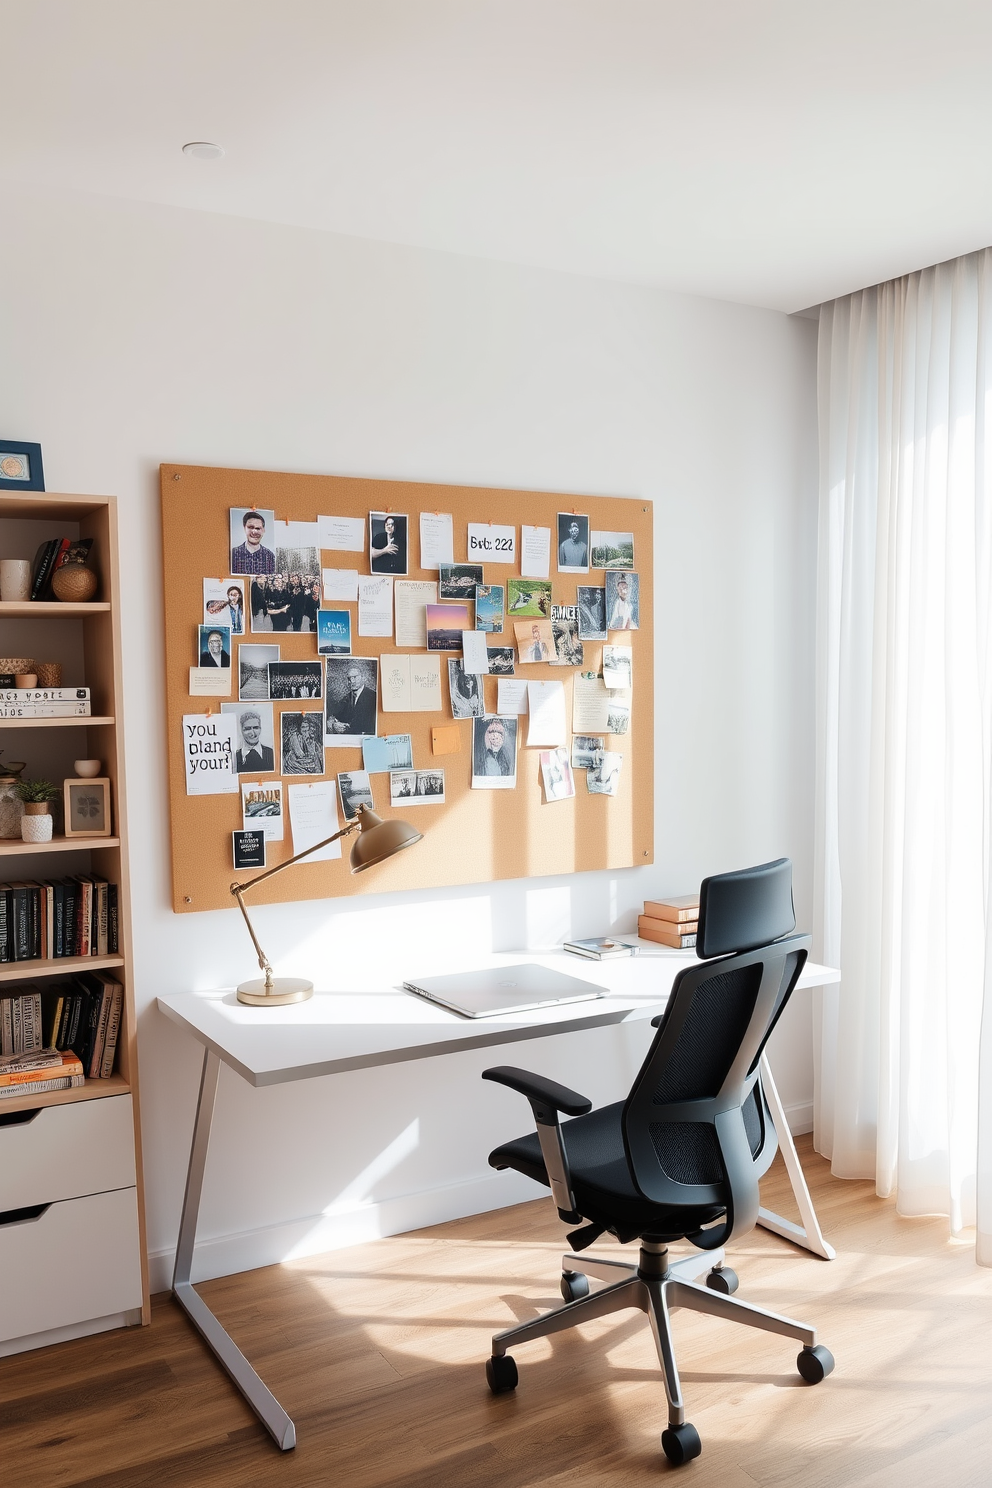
503, 990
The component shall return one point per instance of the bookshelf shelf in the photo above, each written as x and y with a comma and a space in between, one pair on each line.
92, 1090
35, 608
104, 721
15, 849
26, 971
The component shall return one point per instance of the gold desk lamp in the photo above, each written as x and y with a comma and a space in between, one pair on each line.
376, 841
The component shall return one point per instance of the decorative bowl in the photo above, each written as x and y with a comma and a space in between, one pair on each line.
87, 769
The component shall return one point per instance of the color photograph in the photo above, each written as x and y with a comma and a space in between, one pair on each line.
445, 623
528, 597
295, 679
214, 645
254, 738
573, 543
388, 543
416, 788
302, 743
355, 789
535, 640
351, 700
224, 604
489, 608
592, 612
465, 690
253, 671
252, 541
559, 784
612, 550
623, 601
458, 580
333, 633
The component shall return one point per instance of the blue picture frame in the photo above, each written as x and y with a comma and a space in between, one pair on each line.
29, 455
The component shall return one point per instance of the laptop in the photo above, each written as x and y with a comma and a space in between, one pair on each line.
504, 989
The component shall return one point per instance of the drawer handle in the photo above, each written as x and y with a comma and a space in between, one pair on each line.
22, 1216
19, 1118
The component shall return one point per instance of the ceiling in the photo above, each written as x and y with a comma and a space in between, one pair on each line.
774, 152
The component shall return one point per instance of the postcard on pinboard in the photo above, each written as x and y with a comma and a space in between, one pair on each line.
612, 549
465, 691
528, 597
501, 661
445, 623
489, 608
458, 580
617, 666
248, 849
333, 632
573, 543
355, 789
388, 543
535, 641
592, 612
623, 601
586, 751
494, 753
253, 671
411, 684
416, 788
340, 584
565, 630
252, 540
341, 534
511, 696
295, 679
302, 743
261, 808
224, 604
375, 605
546, 706
605, 779
474, 658
559, 784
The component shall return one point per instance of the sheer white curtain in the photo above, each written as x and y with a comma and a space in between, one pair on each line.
904, 769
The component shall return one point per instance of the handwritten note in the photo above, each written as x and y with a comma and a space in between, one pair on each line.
436, 542
375, 605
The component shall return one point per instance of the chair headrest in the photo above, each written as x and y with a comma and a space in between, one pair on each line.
744, 910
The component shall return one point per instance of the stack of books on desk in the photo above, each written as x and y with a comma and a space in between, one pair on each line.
45, 702
670, 922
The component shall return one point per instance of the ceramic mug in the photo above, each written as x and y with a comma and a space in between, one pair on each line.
15, 579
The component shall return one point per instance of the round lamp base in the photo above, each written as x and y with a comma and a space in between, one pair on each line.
284, 990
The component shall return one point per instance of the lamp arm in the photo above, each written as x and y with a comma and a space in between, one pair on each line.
240, 889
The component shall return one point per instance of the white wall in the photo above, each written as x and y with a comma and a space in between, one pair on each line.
134, 335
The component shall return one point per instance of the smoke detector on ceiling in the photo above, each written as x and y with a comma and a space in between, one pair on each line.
203, 150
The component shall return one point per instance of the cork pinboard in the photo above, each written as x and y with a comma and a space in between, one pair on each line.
476, 836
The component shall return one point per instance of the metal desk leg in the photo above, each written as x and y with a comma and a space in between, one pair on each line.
808, 1234
262, 1401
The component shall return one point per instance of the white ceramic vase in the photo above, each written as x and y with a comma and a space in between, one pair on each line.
36, 826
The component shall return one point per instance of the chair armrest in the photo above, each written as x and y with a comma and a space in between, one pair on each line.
547, 1098
547, 1095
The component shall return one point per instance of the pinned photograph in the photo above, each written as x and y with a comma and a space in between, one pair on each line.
289, 599
587, 750
565, 631
465, 689
355, 789
617, 666
489, 608
388, 543
333, 633
445, 623
535, 640
400, 751
351, 696
394, 752
295, 679
592, 613
494, 753
623, 601
253, 671
501, 661
612, 549
458, 580
224, 604
302, 743
254, 741
214, 645
557, 772
261, 808
248, 849
605, 779
528, 597
416, 788
573, 543
618, 716
252, 540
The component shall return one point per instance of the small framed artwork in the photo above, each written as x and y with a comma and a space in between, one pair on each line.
20, 466
87, 808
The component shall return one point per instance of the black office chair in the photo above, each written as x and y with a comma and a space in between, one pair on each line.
680, 1158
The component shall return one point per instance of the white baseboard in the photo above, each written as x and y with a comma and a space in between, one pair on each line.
800, 1117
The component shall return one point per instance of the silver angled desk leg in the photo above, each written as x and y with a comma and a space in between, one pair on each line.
808, 1234
262, 1401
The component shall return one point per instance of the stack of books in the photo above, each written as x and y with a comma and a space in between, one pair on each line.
670, 922
45, 702
599, 948
75, 916
73, 1023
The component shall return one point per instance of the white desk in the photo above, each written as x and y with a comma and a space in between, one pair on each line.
338, 1031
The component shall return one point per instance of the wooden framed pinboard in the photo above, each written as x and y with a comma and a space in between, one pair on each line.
476, 836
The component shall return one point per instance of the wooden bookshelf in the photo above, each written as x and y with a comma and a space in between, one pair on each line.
86, 639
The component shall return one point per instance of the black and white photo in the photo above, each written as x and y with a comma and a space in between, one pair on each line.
295, 679
350, 700
214, 645
465, 689
604, 780
501, 661
617, 666
254, 740
623, 601
253, 671
586, 751
252, 540
565, 631
592, 612
494, 753
302, 743
573, 543
355, 789
618, 717
388, 543
416, 788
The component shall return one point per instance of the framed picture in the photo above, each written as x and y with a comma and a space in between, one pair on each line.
20, 466
87, 807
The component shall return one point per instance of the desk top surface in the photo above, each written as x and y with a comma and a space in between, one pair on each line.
342, 1030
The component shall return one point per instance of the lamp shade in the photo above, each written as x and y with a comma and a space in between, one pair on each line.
378, 839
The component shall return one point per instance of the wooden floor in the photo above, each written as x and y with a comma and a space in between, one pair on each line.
378, 1354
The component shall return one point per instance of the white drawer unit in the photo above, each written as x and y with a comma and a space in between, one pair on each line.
74, 1261
65, 1152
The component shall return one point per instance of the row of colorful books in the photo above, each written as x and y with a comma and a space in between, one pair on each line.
57, 1037
74, 916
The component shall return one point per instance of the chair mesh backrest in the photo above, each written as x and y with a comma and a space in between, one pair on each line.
710, 1037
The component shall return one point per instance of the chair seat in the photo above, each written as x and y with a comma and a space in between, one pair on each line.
601, 1182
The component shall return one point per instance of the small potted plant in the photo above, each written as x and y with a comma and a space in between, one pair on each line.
36, 823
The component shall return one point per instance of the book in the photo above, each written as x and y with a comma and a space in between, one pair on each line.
113, 1022
45, 710
679, 937
62, 546
47, 1064
102, 993
600, 948
42, 1087
44, 694
43, 563
684, 907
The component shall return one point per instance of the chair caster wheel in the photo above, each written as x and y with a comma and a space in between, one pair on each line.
814, 1364
501, 1372
574, 1285
681, 1444
722, 1279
